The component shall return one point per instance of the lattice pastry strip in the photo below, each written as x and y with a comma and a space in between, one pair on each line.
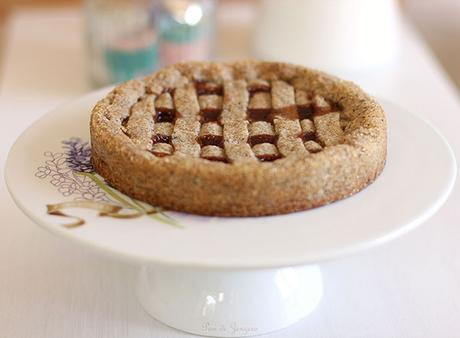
184, 137
122, 99
258, 85
328, 129
172, 78
302, 98
211, 107
289, 141
164, 101
186, 102
235, 141
187, 126
213, 153
233, 118
312, 146
140, 123
283, 100
235, 101
162, 149
321, 106
286, 121
210, 102
208, 88
266, 152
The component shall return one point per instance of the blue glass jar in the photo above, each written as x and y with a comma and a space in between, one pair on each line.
122, 39
185, 30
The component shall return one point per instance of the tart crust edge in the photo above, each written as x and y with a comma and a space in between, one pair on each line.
257, 189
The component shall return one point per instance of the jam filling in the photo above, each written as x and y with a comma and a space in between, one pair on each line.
210, 115
165, 115
287, 112
318, 111
254, 88
267, 114
124, 122
305, 112
260, 114
211, 140
308, 136
336, 106
208, 88
263, 138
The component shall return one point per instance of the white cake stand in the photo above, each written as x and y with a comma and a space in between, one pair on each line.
231, 277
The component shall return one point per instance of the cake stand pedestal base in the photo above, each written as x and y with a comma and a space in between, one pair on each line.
229, 303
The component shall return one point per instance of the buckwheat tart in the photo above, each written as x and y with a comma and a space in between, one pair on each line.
246, 138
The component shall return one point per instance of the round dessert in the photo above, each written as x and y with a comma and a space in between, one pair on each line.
245, 138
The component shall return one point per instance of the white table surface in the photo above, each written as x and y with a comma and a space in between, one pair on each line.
51, 288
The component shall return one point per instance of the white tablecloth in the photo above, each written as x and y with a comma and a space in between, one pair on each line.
51, 288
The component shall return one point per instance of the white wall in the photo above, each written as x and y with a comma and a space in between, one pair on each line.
439, 23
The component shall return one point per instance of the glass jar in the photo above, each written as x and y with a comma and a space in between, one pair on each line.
122, 40
131, 38
186, 30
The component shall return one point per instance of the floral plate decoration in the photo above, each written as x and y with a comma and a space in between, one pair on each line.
72, 173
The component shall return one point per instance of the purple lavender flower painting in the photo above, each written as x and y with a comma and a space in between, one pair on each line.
78, 155
73, 175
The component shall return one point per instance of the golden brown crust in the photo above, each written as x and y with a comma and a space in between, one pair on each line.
238, 184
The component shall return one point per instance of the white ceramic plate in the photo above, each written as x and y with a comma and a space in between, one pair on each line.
417, 179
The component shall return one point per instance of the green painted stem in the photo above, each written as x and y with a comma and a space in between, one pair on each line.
158, 216
162, 217
110, 192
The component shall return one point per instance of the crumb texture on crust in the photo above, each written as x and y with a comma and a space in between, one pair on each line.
245, 138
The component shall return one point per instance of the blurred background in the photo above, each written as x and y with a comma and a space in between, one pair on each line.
404, 51
122, 39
